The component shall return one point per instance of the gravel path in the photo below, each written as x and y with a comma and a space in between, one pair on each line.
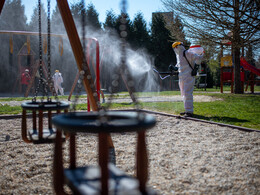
174, 98
185, 157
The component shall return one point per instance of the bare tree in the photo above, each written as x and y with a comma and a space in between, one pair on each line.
177, 30
216, 20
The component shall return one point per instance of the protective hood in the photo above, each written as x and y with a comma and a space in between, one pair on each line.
179, 49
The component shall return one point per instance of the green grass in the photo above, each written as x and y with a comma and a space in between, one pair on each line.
235, 109
227, 88
6, 109
14, 99
239, 110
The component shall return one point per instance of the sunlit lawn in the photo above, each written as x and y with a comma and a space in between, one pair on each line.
235, 109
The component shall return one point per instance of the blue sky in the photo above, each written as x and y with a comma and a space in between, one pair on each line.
134, 6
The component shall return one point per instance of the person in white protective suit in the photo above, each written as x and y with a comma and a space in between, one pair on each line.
58, 80
186, 81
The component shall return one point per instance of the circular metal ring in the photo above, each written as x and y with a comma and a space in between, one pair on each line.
48, 105
110, 122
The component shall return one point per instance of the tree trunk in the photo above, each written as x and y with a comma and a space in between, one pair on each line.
236, 43
237, 79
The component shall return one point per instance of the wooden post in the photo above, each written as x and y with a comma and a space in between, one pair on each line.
34, 120
24, 128
40, 118
78, 54
58, 174
142, 162
103, 161
72, 151
49, 119
2, 5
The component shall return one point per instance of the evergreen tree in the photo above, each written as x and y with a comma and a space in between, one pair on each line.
110, 21
77, 10
92, 17
108, 62
34, 27
57, 25
34, 23
140, 32
161, 43
129, 28
12, 18
61, 52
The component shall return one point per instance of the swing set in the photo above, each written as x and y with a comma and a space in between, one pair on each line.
32, 66
105, 178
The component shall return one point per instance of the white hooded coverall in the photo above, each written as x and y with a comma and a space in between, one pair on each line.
57, 79
186, 81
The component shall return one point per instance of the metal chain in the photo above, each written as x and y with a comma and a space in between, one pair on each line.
123, 69
82, 73
44, 82
41, 81
39, 26
50, 82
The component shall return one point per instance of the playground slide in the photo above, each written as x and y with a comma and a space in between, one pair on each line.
249, 67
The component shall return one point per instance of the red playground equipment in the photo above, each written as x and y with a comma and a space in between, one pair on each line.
253, 71
96, 69
227, 73
24, 52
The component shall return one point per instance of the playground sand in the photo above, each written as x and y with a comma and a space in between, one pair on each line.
185, 157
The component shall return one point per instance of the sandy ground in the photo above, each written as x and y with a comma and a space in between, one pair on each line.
185, 157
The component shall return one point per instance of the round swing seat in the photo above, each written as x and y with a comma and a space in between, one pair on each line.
111, 122
45, 106
106, 178
48, 136
38, 134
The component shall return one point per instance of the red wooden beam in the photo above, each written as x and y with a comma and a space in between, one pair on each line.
77, 50
2, 2
78, 54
